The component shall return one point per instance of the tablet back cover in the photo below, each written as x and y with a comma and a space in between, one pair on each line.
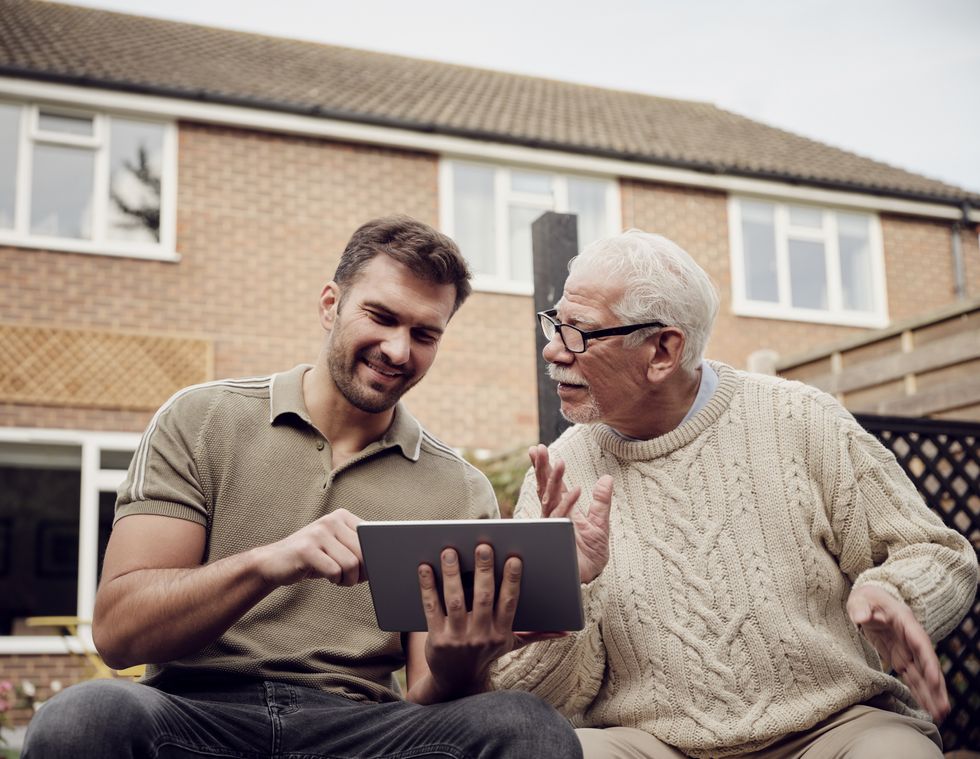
550, 597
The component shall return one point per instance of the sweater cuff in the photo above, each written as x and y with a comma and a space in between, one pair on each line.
885, 586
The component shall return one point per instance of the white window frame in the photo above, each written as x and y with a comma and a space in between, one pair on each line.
30, 134
504, 196
835, 313
94, 481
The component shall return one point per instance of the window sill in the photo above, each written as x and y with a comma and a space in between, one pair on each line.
40, 644
62, 245
811, 316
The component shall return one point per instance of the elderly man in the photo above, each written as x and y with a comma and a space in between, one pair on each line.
765, 561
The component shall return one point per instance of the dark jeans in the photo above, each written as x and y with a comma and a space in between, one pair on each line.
119, 718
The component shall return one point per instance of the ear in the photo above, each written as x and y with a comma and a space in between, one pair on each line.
327, 305
666, 349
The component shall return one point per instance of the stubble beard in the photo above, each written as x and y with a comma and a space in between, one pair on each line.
371, 399
587, 412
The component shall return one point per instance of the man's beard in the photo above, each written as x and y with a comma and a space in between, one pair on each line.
584, 413
367, 397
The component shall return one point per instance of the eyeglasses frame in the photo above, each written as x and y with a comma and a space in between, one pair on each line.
627, 329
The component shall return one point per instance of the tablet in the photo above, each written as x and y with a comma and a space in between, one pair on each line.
550, 600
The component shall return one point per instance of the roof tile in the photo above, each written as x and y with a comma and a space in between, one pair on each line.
114, 50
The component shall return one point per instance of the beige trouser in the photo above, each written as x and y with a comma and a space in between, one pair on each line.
858, 732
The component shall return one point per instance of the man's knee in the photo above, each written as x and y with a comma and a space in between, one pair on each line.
524, 725
866, 732
894, 740
83, 719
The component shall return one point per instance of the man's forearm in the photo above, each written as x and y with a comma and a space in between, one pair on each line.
157, 615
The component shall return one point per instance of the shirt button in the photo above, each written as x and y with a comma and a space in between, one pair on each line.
319, 445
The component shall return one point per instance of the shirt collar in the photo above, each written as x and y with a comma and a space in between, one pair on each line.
286, 397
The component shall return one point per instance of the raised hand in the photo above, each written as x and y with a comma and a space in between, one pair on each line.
903, 645
326, 548
557, 500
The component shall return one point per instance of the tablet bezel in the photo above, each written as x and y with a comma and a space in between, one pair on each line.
551, 596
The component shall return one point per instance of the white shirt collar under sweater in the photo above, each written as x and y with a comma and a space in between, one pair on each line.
639, 450
706, 388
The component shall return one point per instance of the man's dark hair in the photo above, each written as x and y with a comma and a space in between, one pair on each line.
428, 254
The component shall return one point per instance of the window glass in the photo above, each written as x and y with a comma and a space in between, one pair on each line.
135, 166
759, 251
804, 216
587, 199
855, 262
519, 223
9, 143
107, 510
807, 274
474, 224
530, 181
493, 207
61, 191
109, 459
39, 502
56, 122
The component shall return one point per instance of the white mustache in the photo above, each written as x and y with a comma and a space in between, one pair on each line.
561, 374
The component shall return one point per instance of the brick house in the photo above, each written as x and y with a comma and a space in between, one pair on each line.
172, 198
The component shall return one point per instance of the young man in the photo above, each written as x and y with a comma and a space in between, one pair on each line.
764, 558
234, 568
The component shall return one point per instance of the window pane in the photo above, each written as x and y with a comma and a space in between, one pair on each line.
473, 216
855, 262
61, 191
39, 502
587, 199
135, 165
807, 274
109, 459
519, 247
759, 251
803, 216
54, 122
531, 181
107, 510
9, 134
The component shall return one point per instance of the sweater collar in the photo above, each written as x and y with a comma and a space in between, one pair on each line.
638, 450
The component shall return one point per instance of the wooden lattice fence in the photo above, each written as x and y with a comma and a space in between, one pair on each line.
89, 368
943, 460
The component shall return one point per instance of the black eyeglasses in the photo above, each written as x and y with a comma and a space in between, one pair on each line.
576, 340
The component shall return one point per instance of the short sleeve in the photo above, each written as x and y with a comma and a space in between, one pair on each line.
165, 476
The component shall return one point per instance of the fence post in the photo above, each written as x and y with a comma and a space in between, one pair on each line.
554, 241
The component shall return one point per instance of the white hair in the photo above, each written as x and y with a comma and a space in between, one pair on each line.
662, 284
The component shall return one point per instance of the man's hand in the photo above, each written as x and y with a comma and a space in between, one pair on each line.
557, 500
326, 548
461, 645
903, 645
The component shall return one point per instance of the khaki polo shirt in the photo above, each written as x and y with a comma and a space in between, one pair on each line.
242, 458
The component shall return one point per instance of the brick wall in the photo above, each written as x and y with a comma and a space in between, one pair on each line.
919, 262
262, 219
41, 670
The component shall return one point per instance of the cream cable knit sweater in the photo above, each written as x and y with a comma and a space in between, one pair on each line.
719, 623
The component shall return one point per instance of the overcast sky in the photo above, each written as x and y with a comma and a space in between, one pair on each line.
895, 80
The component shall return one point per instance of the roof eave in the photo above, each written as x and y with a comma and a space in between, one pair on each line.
202, 95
